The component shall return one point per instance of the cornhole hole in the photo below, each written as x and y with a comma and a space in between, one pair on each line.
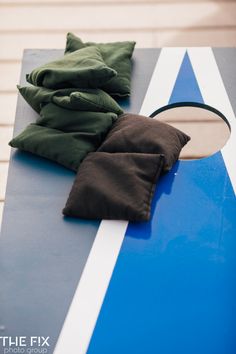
165, 286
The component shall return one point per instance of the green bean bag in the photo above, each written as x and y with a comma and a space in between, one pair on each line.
96, 123
95, 100
64, 136
117, 55
83, 68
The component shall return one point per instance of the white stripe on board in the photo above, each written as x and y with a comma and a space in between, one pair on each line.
82, 316
88, 298
163, 80
214, 94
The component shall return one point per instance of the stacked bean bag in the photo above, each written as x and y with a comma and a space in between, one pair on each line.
118, 157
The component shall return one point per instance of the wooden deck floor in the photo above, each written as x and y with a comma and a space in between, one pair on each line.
152, 23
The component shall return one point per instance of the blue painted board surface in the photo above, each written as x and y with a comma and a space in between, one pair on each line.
173, 288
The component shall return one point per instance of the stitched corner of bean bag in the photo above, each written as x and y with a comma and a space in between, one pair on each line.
73, 43
35, 95
140, 134
116, 186
83, 68
94, 100
116, 55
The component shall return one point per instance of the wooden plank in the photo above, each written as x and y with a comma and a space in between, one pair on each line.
3, 179
92, 2
5, 137
9, 73
213, 38
8, 108
14, 43
103, 16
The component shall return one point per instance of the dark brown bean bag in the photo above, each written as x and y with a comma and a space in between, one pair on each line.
114, 186
140, 134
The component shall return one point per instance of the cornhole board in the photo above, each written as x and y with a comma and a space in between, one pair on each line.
166, 286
